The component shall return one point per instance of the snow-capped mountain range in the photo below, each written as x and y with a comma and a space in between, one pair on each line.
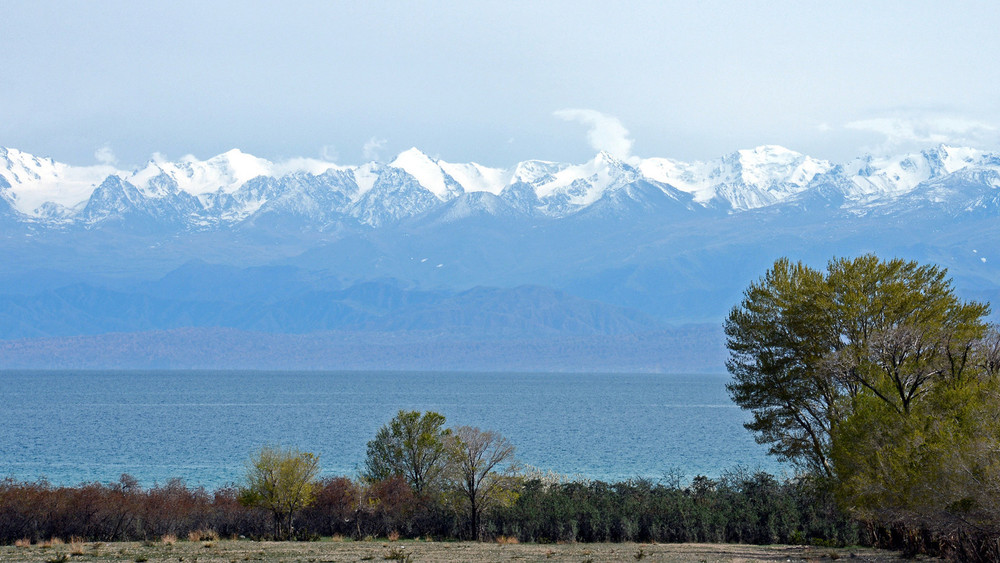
235, 187
427, 253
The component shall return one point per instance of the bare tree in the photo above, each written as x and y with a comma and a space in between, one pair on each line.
481, 470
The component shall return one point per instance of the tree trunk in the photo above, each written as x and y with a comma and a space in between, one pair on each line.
474, 518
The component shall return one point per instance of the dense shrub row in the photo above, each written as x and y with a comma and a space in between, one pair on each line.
739, 507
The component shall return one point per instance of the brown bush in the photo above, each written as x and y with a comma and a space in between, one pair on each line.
334, 510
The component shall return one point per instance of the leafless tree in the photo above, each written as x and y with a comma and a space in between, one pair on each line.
480, 470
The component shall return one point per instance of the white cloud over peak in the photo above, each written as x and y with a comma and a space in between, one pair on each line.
907, 132
106, 156
372, 148
310, 165
606, 133
329, 153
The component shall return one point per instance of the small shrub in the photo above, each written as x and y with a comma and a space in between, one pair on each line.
23, 542
203, 535
337, 538
168, 539
76, 546
398, 554
394, 535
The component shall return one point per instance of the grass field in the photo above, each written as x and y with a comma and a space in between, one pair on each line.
232, 551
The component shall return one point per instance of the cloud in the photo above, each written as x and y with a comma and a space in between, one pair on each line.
907, 132
605, 132
106, 156
329, 153
372, 148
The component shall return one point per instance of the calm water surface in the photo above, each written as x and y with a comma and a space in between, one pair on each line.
72, 427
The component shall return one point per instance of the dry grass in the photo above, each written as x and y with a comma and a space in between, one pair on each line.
203, 535
168, 539
505, 540
23, 542
75, 546
226, 551
393, 535
52, 542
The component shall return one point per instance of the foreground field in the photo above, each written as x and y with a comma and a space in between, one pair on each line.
232, 551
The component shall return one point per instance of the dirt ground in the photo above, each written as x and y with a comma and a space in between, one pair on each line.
232, 551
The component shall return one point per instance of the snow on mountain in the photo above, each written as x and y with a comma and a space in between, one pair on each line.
575, 187
594, 177
536, 171
427, 172
396, 194
41, 187
447, 180
476, 177
890, 177
225, 172
235, 186
746, 179
366, 175
687, 177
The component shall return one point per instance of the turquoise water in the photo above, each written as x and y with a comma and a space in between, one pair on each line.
71, 427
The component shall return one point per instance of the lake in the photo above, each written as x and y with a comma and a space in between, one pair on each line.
71, 427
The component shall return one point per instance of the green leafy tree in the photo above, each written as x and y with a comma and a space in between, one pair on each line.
281, 481
777, 338
480, 470
805, 345
876, 375
411, 445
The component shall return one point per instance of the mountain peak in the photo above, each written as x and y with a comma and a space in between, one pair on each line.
412, 152
424, 169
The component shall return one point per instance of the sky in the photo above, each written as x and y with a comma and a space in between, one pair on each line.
494, 83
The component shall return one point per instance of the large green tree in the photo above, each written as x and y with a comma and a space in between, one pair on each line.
875, 375
807, 347
411, 445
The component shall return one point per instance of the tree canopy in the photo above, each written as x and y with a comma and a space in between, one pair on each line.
411, 445
282, 481
874, 374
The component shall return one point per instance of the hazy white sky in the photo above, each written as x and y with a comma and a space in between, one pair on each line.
494, 82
